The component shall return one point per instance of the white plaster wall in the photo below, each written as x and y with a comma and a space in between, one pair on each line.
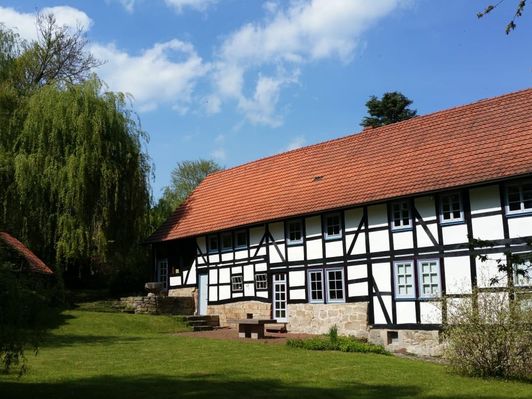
227, 256
214, 258
489, 269
430, 313
296, 253
255, 235
377, 216
457, 275
426, 208
379, 241
520, 226
403, 240
357, 289
249, 289
333, 248
454, 234
378, 313
297, 294
484, 199
274, 255
238, 295
277, 230
360, 245
225, 292
353, 218
213, 276
314, 249
201, 242
175, 280
357, 271
296, 278
406, 312
248, 273
423, 239
236, 270
224, 275
381, 275
313, 226
488, 227
213, 294
191, 278
261, 267
262, 294
241, 254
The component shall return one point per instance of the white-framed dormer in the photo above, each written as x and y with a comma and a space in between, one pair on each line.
519, 198
332, 226
400, 215
294, 232
451, 208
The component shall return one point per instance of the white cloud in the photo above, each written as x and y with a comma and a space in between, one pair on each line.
164, 74
129, 5
304, 31
296, 142
24, 23
198, 5
219, 154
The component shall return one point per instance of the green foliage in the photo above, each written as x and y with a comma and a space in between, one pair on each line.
521, 4
336, 343
391, 108
186, 176
333, 334
489, 335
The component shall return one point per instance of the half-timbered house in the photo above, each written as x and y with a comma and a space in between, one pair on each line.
365, 232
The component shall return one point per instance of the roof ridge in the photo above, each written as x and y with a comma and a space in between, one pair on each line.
370, 130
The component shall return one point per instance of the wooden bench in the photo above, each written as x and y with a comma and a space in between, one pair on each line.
253, 328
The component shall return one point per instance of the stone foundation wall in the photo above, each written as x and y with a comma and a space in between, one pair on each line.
181, 292
314, 318
157, 305
231, 312
417, 342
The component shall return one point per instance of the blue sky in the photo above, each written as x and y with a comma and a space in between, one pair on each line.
236, 80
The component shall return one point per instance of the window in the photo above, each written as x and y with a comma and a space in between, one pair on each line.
333, 228
331, 290
237, 284
519, 198
261, 281
213, 244
429, 278
335, 285
404, 280
451, 208
315, 278
162, 272
241, 239
401, 215
227, 242
294, 232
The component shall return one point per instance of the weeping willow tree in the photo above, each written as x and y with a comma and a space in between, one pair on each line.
79, 191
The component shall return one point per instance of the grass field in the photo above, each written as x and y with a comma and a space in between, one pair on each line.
112, 355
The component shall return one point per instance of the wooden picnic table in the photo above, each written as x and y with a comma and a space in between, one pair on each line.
253, 328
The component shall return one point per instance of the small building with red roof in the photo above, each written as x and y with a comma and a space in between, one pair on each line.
31, 262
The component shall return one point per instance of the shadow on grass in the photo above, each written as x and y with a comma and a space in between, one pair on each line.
55, 341
203, 386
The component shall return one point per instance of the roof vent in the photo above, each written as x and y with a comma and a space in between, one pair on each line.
317, 178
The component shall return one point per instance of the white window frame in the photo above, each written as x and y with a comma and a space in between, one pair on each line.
262, 283
326, 226
209, 249
162, 264
221, 243
236, 281
396, 276
327, 288
288, 224
452, 220
420, 278
235, 243
401, 209
522, 209
309, 284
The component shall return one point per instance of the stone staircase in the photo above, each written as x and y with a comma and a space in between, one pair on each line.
202, 323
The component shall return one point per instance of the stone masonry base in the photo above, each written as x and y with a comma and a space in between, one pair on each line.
230, 313
417, 342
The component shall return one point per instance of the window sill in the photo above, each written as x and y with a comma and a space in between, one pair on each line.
333, 238
294, 243
402, 229
452, 222
513, 214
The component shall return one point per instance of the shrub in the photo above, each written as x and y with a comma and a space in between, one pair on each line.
341, 344
333, 334
491, 339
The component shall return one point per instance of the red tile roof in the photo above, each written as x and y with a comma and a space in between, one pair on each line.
484, 141
36, 265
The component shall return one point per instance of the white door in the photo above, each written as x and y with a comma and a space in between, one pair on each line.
202, 294
279, 298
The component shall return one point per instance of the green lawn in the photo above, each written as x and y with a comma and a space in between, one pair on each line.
112, 355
